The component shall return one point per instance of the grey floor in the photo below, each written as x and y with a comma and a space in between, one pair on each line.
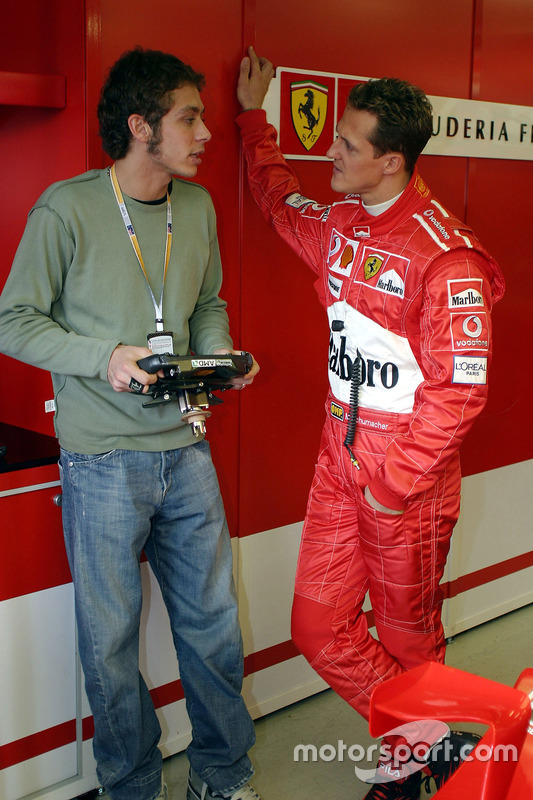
498, 650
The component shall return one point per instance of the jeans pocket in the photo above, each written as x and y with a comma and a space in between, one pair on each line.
84, 458
85, 472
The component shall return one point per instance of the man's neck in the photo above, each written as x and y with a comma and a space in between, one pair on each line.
386, 190
139, 179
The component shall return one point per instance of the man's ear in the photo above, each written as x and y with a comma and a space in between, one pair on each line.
394, 163
139, 128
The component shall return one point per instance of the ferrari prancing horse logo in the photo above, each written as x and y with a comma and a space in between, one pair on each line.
372, 266
309, 103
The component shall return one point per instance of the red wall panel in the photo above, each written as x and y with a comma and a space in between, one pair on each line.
38, 146
498, 208
411, 39
502, 63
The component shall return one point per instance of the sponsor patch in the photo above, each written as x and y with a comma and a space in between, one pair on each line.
421, 187
335, 286
362, 232
429, 216
341, 254
372, 266
387, 371
391, 283
383, 271
465, 293
210, 362
469, 369
298, 200
337, 411
469, 331
308, 207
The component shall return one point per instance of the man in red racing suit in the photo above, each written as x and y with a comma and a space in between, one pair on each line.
408, 291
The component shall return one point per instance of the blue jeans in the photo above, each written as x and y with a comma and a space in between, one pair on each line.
115, 505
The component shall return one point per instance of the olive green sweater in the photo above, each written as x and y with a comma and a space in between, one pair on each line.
76, 291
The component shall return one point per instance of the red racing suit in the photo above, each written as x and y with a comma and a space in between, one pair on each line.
409, 293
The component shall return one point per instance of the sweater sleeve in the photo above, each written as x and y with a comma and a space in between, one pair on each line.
275, 188
208, 324
28, 331
455, 356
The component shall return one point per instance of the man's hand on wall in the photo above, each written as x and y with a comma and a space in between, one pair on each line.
254, 79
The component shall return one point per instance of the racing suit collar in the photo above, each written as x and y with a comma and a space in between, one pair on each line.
415, 195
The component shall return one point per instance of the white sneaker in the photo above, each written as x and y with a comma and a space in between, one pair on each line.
245, 793
198, 790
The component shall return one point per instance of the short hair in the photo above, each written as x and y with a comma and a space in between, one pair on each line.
404, 116
140, 82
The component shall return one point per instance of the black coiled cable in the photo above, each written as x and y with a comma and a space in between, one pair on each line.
354, 405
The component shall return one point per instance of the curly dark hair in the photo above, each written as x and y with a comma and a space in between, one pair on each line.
140, 82
404, 116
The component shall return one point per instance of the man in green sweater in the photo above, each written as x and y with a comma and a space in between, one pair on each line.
110, 261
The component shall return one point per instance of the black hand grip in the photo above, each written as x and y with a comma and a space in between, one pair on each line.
152, 363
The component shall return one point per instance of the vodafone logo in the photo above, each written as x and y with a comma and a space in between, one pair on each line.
469, 331
472, 326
